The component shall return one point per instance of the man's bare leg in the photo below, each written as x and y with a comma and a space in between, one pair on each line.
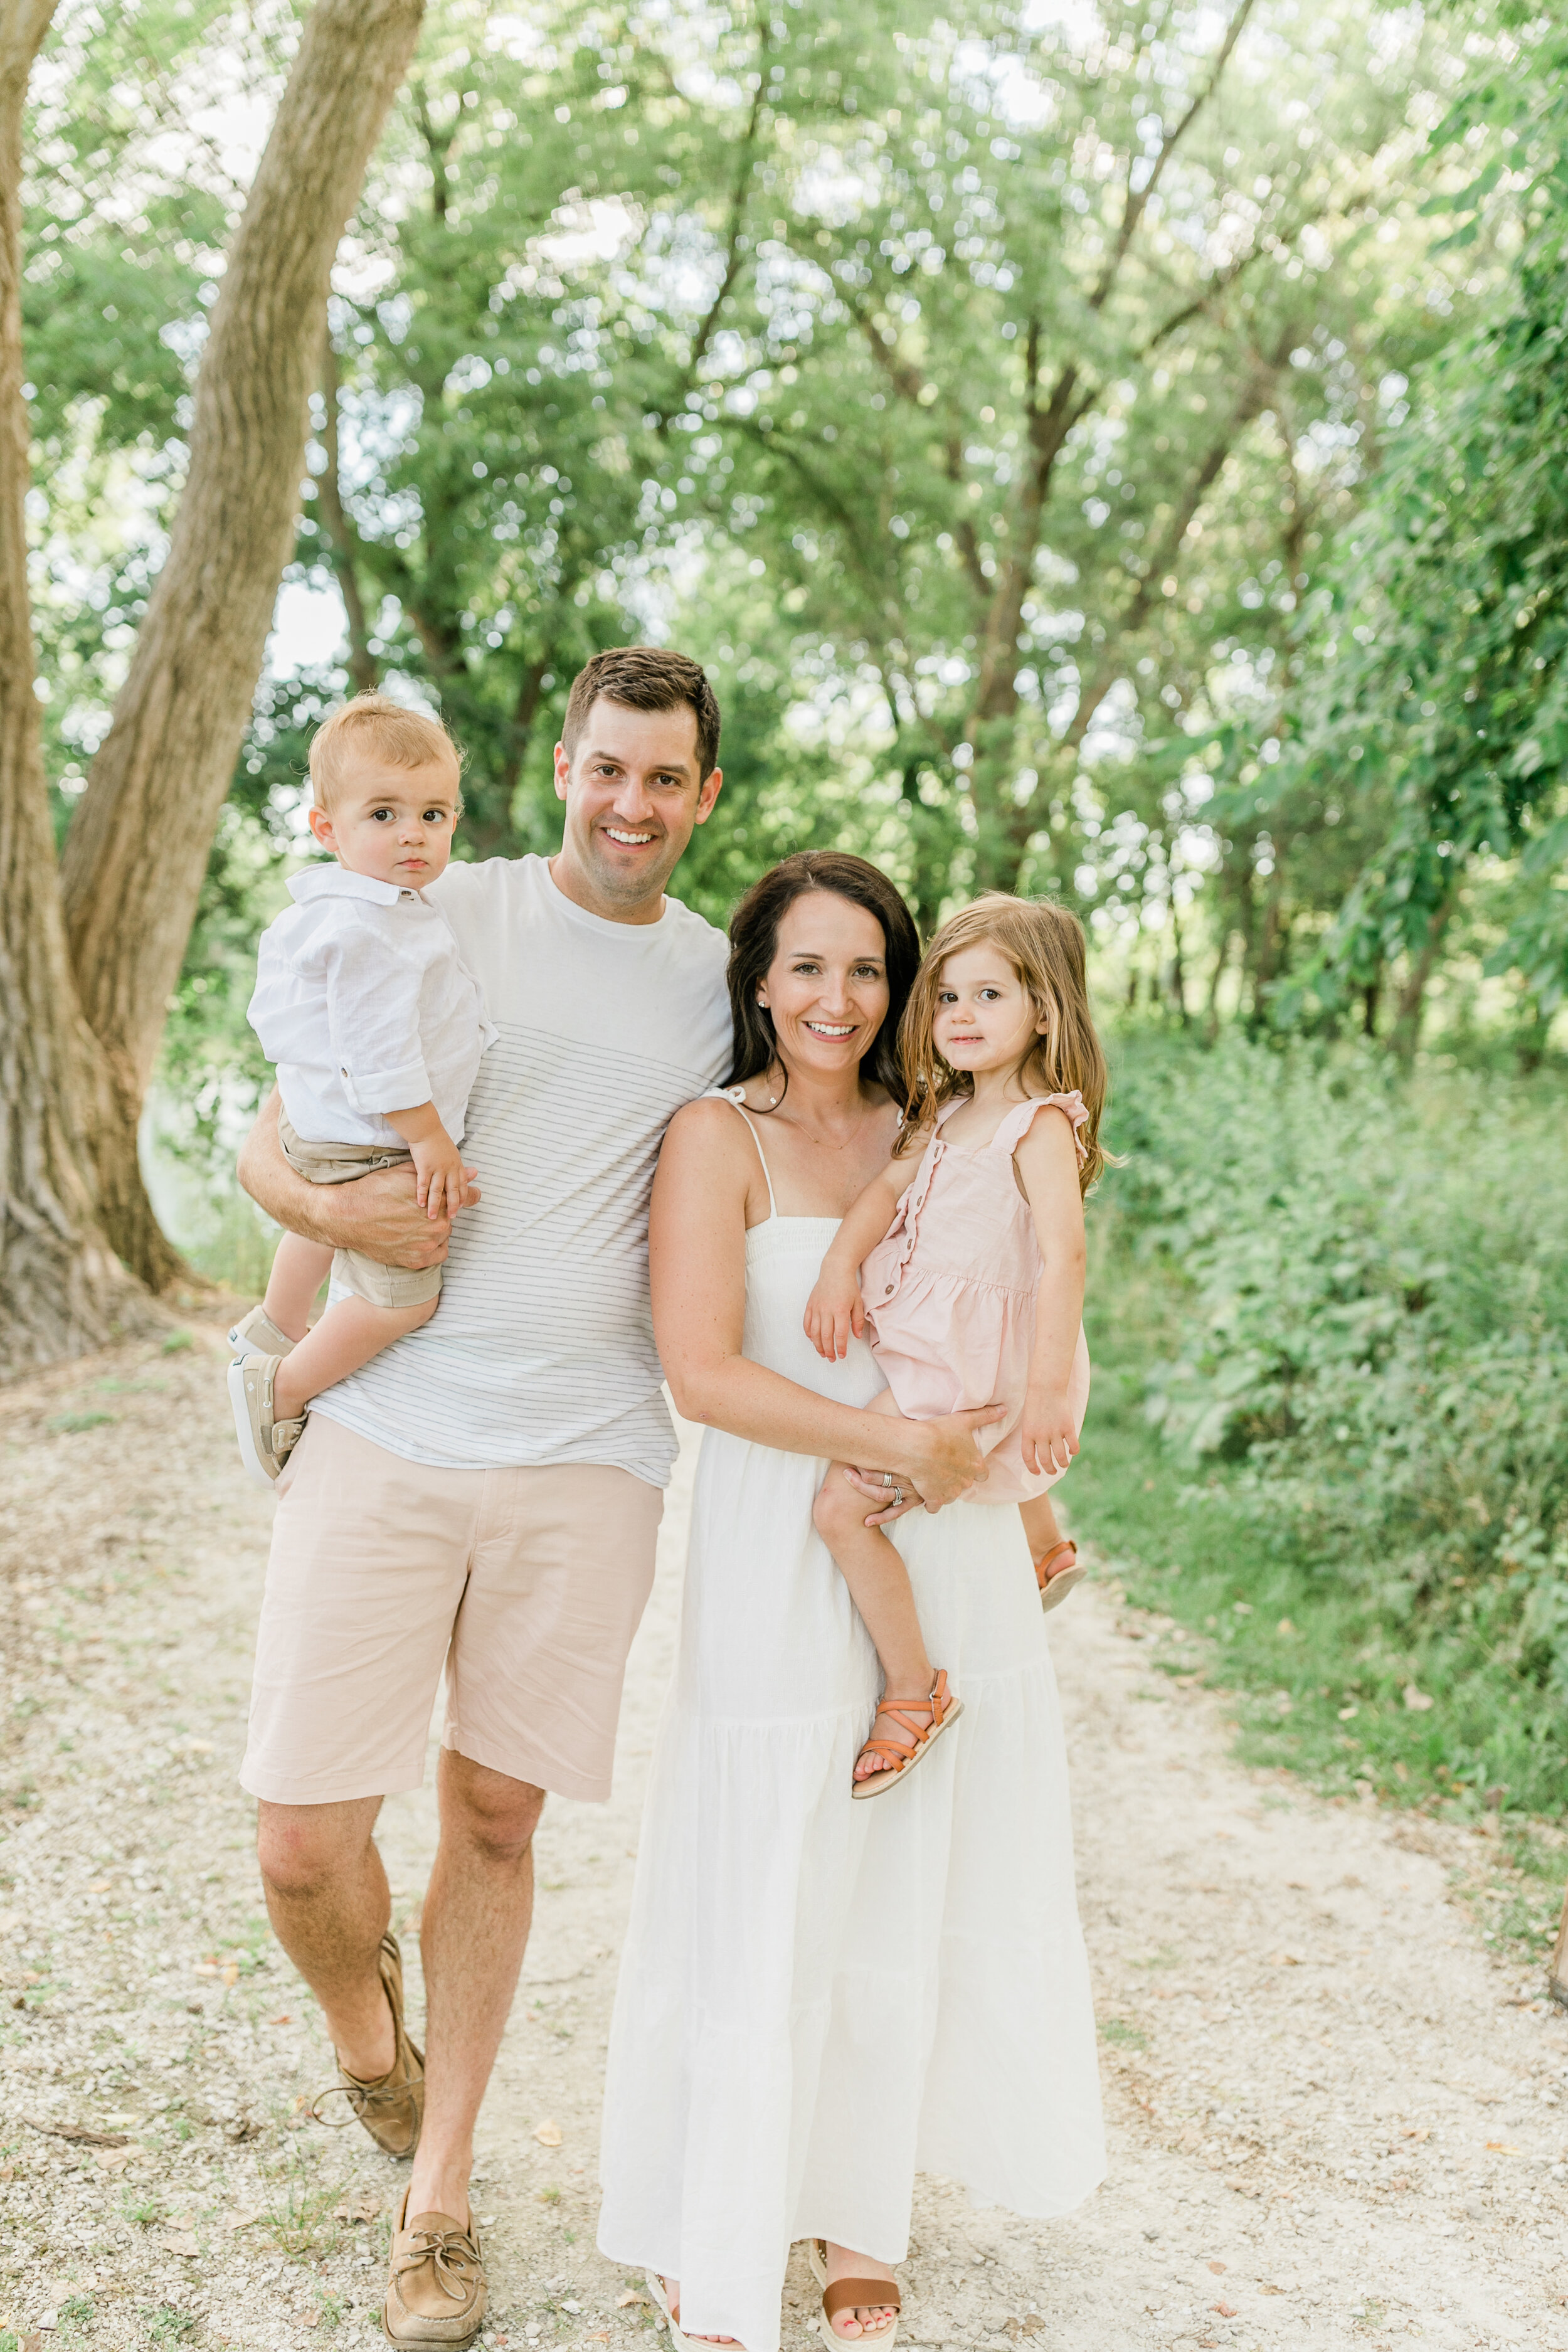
328, 1903
477, 1910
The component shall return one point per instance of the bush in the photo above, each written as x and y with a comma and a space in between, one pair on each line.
1374, 1286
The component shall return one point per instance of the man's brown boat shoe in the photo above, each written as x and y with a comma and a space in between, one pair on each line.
436, 2293
392, 2107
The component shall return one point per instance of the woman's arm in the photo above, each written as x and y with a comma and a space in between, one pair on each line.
697, 1247
377, 1213
1047, 1161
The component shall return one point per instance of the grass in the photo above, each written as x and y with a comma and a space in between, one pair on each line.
303, 2222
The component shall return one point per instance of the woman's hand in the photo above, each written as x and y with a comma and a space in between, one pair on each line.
877, 1485
942, 1459
836, 1312
1047, 1431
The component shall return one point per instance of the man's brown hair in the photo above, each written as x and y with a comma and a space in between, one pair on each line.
645, 678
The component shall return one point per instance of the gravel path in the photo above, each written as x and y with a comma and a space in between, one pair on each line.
1336, 2119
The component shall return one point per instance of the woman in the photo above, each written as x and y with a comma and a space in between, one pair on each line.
816, 1996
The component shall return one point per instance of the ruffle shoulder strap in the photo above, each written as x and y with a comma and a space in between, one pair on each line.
1017, 1123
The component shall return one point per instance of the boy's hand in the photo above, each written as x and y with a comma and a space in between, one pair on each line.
834, 1312
1047, 1431
440, 1178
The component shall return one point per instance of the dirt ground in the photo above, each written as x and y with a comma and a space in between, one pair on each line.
1335, 2118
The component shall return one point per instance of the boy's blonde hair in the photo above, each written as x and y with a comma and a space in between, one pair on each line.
374, 726
1045, 945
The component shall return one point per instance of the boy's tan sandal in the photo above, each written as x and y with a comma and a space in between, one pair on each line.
903, 1754
265, 1445
391, 2106
435, 2294
847, 2294
1056, 1583
255, 1334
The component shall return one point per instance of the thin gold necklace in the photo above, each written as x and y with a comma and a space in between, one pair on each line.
821, 1140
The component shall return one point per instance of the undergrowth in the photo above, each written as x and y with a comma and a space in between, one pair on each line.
1329, 1430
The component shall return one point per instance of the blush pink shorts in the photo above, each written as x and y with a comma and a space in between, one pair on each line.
525, 1584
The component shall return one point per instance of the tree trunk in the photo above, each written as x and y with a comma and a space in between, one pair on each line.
61, 1289
1412, 997
137, 846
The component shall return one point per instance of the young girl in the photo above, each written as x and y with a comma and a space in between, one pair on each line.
970, 1282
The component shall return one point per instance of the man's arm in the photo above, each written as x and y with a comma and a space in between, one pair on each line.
377, 1213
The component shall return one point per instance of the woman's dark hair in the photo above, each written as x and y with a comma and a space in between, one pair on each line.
754, 943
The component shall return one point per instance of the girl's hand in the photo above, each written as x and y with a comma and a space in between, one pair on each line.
1047, 1431
440, 1178
835, 1313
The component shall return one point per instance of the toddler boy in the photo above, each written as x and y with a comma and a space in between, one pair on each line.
376, 1027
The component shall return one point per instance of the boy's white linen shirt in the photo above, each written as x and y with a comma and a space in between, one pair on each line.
365, 1005
542, 1349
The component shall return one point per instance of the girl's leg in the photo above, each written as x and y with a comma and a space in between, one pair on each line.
1056, 1569
347, 1335
298, 1269
879, 1587
1040, 1526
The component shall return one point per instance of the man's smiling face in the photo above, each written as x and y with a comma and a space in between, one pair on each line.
632, 797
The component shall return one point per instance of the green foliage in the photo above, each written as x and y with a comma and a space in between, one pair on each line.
1362, 1285
1433, 702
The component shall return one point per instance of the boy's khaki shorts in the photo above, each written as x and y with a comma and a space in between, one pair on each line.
341, 1163
526, 1583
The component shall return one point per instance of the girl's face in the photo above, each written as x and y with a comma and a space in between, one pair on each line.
985, 1017
827, 987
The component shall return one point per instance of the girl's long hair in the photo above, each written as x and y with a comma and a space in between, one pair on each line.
754, 943
1045, 945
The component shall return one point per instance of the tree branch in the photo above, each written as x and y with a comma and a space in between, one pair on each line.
342, 537
1138, 200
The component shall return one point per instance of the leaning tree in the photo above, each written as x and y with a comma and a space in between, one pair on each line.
91, 950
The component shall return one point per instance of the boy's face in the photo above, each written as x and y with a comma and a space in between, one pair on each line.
392, 824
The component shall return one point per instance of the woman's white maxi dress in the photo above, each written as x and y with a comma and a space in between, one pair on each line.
818, 1997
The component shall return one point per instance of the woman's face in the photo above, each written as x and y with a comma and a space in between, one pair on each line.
827, 987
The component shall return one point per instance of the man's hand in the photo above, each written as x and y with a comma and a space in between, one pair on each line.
1047, 1432
379, 1214
941, 1458
873, 1485
836, 1312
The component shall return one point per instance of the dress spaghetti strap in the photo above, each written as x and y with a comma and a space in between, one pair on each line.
732, 1095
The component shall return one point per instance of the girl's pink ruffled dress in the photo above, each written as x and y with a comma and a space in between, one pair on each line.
949, 1293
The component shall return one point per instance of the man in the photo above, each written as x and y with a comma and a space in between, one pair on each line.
486, 1494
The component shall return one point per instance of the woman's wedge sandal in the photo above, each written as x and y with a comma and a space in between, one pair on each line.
1056, 1583
672, 2316
848, 2295
903, 1754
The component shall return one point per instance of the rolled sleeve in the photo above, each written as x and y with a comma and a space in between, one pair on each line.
380, 1091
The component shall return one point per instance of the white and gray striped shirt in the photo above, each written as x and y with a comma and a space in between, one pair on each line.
541, 1349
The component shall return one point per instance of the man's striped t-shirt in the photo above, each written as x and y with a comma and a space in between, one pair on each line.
541, 1349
